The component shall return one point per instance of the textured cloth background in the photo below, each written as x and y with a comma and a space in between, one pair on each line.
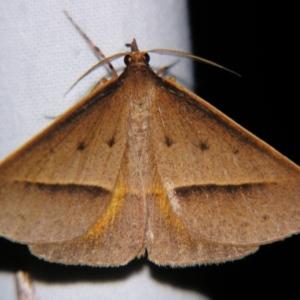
41, 55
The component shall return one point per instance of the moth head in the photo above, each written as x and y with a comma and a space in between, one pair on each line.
136, 56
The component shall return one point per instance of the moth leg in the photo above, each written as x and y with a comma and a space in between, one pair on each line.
25, 288
100, 82
164, 69
95, 49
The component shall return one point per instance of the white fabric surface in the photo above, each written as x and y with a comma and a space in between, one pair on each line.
41, 55
139, 285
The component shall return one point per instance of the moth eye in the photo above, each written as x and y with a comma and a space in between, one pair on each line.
147, 57
127, 59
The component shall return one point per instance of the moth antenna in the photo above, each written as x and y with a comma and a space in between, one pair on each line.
187, 55
94, 47
94, 67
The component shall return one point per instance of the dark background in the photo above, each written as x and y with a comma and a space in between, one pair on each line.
258, 40
255, 39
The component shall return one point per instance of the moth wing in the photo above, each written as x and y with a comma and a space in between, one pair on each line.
70, 182
170, 242
115, 239
219, 184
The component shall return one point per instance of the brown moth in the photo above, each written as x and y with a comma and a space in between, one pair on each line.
143, 165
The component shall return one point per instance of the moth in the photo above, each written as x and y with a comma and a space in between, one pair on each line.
143, 166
